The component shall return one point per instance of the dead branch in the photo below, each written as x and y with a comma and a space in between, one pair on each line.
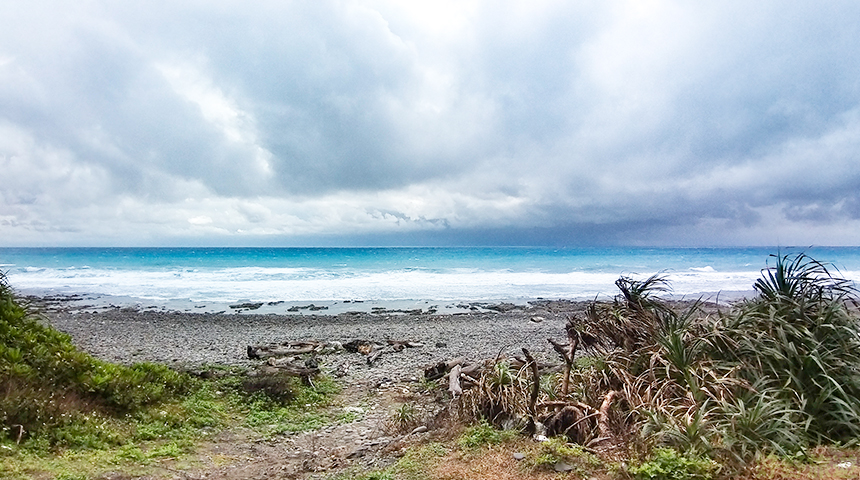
603, 418
535, 390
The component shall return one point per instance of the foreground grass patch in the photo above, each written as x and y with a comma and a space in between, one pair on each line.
304, 412
66, 414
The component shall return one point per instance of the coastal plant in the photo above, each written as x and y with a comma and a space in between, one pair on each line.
501, 394
279, 387
799, 341
775, 374
403, 419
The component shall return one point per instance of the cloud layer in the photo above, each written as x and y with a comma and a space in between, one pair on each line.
339, 122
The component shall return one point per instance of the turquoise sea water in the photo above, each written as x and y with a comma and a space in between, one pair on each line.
388, 274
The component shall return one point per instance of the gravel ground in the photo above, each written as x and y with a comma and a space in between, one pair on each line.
192, 340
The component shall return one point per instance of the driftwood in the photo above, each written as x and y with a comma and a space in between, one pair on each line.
291, 348
376, 353
371, 349
454, 382
363, 347
518, 362
293, 367
375, 350
401, 344
442, 368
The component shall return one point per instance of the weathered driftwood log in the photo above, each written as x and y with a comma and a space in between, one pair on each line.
471, 369
454, 382
289, 362
471, 381
292, 348
266, 351
401, 344
374, 350
442, 368
374, 354
518, 362
363, 347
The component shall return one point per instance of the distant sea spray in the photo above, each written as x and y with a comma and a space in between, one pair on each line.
388, 274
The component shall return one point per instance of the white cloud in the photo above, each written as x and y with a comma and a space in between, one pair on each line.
624, 122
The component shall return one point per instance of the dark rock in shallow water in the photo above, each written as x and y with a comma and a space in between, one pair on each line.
248, 306
502, 307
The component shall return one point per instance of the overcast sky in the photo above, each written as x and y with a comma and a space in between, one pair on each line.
429, 123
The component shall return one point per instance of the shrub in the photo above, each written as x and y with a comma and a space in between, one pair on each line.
51, 389
668, 464
799, 343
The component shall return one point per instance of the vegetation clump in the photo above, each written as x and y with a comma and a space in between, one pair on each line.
775, 374
92, 415
668, 464
51, 391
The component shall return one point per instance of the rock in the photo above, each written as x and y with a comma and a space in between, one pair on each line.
519, 456
562, 467
421, 429
537, 319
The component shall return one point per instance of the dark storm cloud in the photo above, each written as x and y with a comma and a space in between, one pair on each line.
475, 122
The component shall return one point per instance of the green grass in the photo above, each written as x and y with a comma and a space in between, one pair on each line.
555, 450
668, 464
483, 434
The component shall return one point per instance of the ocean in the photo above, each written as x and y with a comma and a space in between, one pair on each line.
286, 276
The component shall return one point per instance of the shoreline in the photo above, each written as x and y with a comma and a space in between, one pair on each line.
96, 302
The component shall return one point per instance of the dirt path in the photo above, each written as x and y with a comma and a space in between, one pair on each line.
370, 442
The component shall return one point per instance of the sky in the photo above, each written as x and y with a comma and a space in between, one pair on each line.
282, 123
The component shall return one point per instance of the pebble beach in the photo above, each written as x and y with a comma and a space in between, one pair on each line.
197, 340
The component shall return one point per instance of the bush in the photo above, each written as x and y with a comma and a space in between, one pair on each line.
799, 344
52, 390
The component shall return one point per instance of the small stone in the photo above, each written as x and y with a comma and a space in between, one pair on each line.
562, 467
421, 429
519, 456
537, 319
